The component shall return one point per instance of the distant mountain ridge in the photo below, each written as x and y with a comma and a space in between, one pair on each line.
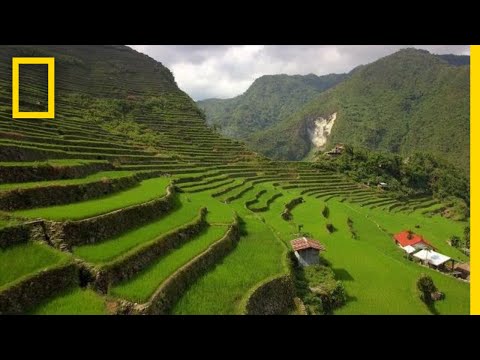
268, 100
405, 102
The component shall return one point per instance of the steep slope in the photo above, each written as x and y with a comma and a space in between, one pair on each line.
267, 101
409, 101
127, 203
103, 93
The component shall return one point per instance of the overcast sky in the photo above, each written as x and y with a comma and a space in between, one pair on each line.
224, 71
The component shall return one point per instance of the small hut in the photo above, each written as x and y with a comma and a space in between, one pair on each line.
307, 250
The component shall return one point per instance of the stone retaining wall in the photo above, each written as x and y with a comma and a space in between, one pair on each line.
18, 199
267, 206
17, 234
18, 174
272, 297
287, 211
175, 286
102, 227
25, 294
131, 263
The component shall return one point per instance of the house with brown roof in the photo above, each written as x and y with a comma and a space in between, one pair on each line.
307, 251
463, 270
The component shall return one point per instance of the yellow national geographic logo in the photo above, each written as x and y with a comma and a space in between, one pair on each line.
16, 62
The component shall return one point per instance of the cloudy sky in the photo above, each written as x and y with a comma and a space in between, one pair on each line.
224, 71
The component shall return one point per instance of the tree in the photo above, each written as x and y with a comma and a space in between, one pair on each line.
455, 241
427, 287
466, 236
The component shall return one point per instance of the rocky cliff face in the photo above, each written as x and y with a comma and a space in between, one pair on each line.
319, 130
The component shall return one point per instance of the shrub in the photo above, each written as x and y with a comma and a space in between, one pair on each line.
326, 212
466, 236
331, 228
455, 241
313, 304
336, 298
352, 230
426, 287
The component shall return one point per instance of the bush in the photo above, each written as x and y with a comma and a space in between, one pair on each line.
426, 287
331, 228
352, 230
319, 290
326, 212
466, 236
313, 304
455, 241
336, 298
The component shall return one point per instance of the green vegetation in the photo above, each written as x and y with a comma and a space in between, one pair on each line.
59, 162
258, 256
407, 102
25, 259
147, 190
144, 285
267, 101
186, 210
417, 175
74, 301
426, 287
124, 109
318, 289
100, 176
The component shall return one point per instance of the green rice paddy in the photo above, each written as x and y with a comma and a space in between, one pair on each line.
144, 285
147, 190
22, 260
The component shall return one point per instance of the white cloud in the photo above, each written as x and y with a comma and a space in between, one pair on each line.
223, 71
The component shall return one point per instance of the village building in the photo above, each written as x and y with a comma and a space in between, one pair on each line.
337, 150
433, 259
307, 251
463, 269
408, 238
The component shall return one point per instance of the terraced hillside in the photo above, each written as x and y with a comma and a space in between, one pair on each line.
127, 203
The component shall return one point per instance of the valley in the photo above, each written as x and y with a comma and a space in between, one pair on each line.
128, 203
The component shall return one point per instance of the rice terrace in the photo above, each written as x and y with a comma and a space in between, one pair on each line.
131, 201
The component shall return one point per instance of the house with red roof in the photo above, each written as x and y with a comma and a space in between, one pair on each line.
408, 238
307, 251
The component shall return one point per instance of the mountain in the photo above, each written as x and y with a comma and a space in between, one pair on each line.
111, 89
406, 102
267, 101
126, 202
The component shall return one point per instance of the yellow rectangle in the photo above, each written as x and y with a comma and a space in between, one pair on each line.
474, 179
16, 62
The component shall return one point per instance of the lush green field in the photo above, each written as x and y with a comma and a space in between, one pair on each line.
103, 175
377, 278
130, 115
144, 285
258, 255
186, 211
74, 301
24, 259
147, 190
53, 162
